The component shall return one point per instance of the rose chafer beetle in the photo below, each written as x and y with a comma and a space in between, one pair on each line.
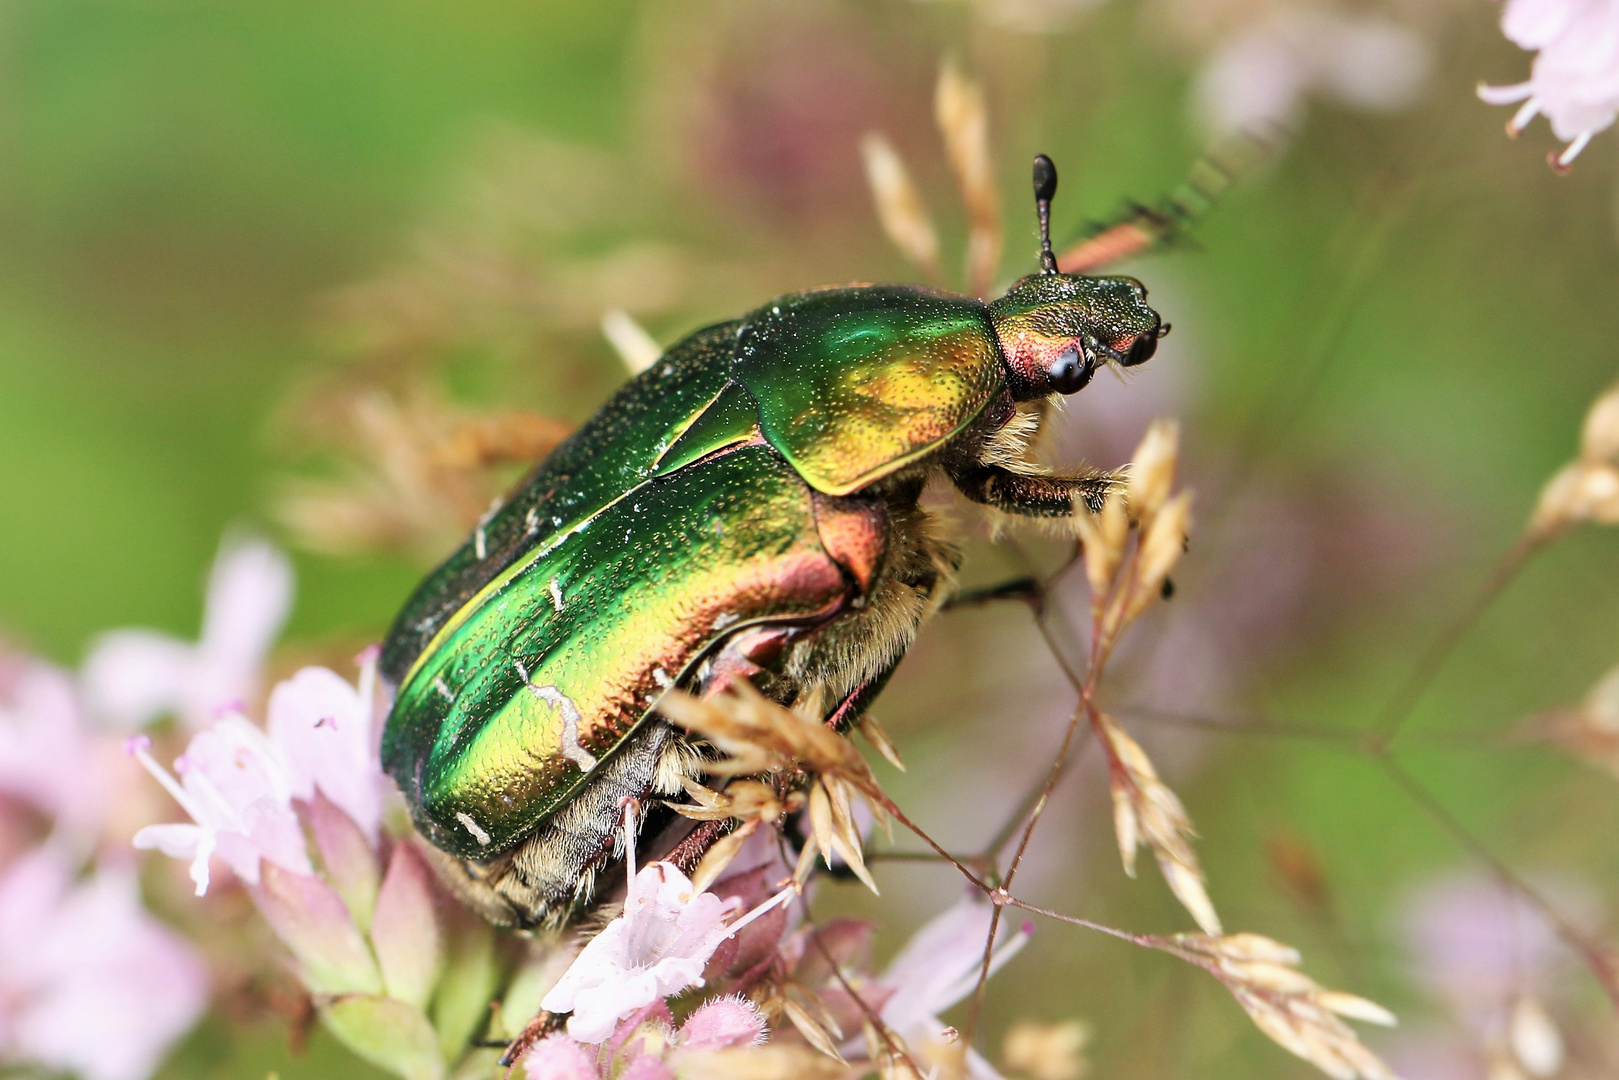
747, 507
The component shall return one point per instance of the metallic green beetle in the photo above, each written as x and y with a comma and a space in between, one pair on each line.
747, 507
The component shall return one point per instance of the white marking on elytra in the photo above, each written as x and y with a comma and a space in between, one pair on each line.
443, 688
661, 677
531, 520
556, 594
473, 827
725, 619
571, 719
480, 544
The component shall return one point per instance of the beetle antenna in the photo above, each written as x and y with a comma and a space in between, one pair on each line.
1045, 187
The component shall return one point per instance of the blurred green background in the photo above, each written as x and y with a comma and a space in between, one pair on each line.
1385, 340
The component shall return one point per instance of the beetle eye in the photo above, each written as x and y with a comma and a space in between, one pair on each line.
1142, 350
1068, 372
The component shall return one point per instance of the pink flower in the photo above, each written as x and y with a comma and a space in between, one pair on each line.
1574, 80
89, 982
327, 731
659, 946
1259, 78
134, 676
938, 967
557, 1057
234, 784
48, 756
1477, 945
722, 1024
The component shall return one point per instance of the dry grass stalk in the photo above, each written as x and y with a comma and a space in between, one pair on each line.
1586, 489
1146, 811
1589, 729
638, 349
1152, 469
759, 737
1103, 536
747, 800
963, 119
719, 857
1534, 1039
419, 474
877, 735
1286, 1004
900, 209
820, 1032
1047, 1051
1124, 583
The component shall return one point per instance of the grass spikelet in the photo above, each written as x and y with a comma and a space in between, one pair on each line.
900, 209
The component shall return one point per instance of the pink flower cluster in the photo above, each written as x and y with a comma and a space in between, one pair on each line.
90, 982
642, 1046
295, 810
1574, 81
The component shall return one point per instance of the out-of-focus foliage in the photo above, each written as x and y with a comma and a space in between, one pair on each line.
223, 220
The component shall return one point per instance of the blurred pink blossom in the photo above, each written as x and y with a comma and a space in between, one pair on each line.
938, 967
557, 1057
49, 757
1477, 946
89, 982
327, 731
132, 677
234, 785
1259, 78
1574, 80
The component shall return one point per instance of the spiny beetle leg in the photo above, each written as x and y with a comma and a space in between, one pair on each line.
1030, 590
1038, 495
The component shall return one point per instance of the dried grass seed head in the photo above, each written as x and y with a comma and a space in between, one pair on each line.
1287, 1005
1146, 811
1047, 1051
1152, 469
900, 209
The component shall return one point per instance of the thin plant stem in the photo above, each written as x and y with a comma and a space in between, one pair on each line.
1398, 710
1592, 954
866, 1010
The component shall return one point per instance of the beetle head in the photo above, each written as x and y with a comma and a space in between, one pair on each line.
1056, 328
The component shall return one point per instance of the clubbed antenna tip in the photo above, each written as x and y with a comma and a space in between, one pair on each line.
1045, 188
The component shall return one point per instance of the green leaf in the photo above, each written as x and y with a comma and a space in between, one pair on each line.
388, 1033
466, 988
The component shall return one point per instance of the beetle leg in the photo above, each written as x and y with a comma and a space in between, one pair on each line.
1031, 494
536, 1029
1030, 590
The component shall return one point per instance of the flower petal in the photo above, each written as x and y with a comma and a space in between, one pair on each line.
405, 930
132, 677
312, 920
